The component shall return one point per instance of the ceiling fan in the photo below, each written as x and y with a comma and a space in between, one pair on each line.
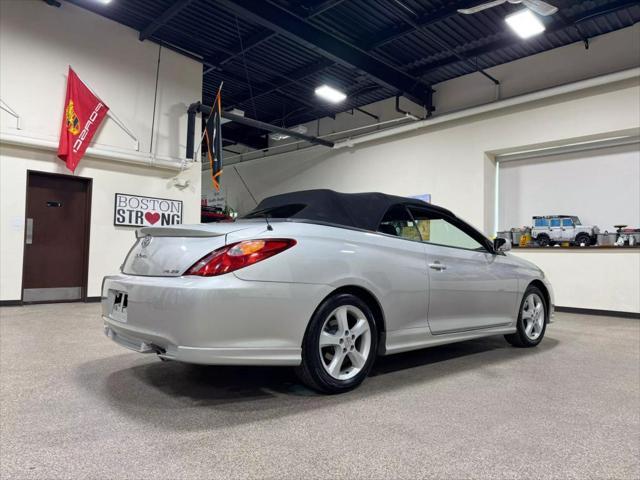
538, 6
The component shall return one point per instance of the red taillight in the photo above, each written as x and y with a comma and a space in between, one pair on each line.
239, 255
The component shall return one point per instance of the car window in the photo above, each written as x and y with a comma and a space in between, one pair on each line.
567, 222
541, 222
442, 232
555, 222
399, 223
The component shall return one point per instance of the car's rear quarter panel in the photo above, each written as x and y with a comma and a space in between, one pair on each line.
392, 269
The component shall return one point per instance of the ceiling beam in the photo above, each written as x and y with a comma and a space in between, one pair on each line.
167, 15
292, 77
423, 21
264, 35
508, 38
291, 117
443, 44
339, 51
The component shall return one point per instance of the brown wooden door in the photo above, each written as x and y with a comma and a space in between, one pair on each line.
56, 238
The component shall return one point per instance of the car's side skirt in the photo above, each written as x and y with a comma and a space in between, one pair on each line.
414, 339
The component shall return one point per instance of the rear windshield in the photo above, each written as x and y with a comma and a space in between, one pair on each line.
282, 211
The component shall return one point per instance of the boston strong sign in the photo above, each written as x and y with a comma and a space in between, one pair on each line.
136, 211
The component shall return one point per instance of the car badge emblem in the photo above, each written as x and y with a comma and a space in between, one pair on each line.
146, 241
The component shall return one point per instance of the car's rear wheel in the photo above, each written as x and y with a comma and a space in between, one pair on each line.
543, 240
583, 238
532, 320
340, 345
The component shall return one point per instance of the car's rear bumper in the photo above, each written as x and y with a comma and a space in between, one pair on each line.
144, 343
219, 320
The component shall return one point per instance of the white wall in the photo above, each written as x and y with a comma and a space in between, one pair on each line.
452, 161
607, 53
601, 186
37, 43
600, 280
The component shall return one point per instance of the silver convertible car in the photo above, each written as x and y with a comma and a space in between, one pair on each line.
322, 281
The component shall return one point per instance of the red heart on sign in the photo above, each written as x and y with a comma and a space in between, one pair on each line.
152, 218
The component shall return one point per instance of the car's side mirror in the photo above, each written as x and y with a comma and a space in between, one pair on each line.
501, 244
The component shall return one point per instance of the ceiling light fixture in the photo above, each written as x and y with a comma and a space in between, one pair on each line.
104, 2
525, 23
330, 94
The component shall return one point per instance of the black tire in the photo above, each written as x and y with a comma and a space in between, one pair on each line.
312, 371
543, 240
583, 238
521, 339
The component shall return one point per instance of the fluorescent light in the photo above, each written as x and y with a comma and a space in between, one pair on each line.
330, 94
525, 23
104, 2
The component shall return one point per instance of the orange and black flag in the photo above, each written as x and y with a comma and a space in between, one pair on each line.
213, 136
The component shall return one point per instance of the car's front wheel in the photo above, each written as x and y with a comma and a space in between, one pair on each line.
532, 320
340, 345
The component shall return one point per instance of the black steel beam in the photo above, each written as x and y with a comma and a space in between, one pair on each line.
251, 42
205, 110
375, 41
264, 35
339, 51
404, 11
167, 15
249, 122
292, 77
396, 32
508, 40
291, 117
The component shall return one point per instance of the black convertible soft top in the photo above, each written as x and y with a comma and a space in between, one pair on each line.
359, 210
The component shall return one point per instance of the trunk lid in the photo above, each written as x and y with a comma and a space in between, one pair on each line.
170, 251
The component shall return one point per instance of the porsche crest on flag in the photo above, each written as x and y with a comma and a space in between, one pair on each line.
83, 114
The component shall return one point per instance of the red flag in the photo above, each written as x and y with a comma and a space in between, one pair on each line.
83, 114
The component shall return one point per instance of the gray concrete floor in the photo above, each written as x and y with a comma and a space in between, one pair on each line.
75, 405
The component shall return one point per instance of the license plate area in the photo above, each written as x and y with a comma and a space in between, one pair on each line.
119, 304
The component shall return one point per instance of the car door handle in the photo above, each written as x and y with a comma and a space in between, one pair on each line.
437, 266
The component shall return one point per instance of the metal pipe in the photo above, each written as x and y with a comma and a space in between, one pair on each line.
376, 117
272, 128
501, 104
206, 110
292, 144
404, 112
191, 128
144, 159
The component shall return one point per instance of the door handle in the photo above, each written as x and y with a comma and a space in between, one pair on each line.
437, 266
29, 232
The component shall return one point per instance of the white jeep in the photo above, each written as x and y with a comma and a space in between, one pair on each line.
562, 228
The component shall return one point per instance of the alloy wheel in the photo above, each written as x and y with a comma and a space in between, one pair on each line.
345, 342
533, 316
